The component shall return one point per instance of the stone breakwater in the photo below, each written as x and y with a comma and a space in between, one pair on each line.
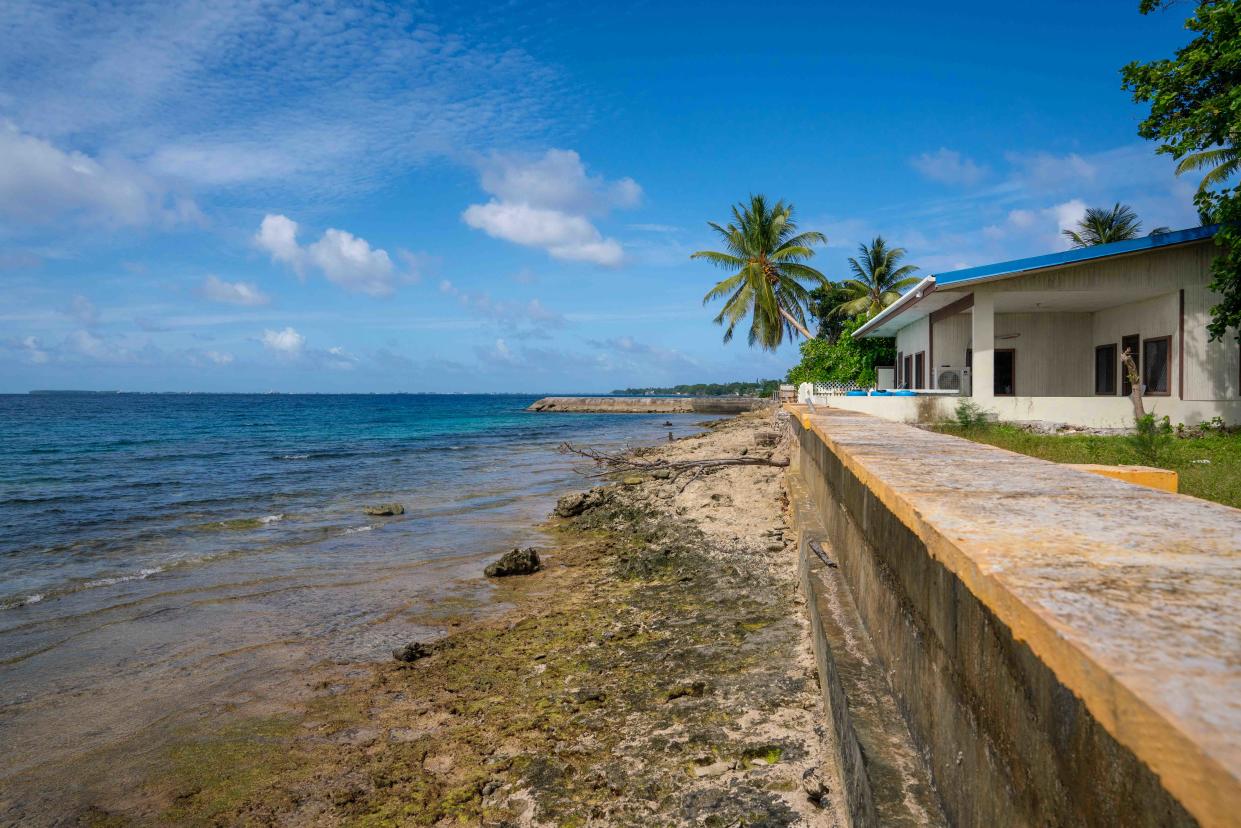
651, 405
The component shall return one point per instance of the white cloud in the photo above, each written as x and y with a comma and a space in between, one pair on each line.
564, 236
187, 85
219, 357
342, 257
949, 167
278, 236
84, 311
40, 183
34, 350
287, 343
505, 311
350, 262
546, 202
233, 293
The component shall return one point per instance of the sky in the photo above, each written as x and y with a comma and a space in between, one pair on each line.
502, 197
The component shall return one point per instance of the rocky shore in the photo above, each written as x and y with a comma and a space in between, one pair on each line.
654, 670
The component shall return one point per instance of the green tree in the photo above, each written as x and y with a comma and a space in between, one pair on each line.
763, 245
845, 360
1101, 226
1195, 100
880, 279
825, 302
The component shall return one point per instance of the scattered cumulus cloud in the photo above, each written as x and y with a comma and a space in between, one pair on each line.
532, 312
43, 184
83, 311
345, 259
286, 343
949, 167
548, 203
219, 357
233, 293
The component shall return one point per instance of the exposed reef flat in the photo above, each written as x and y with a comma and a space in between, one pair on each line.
656, 671
651, 405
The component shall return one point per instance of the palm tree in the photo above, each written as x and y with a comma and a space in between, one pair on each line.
1221, 164
1100, 226
767, 252
880, 278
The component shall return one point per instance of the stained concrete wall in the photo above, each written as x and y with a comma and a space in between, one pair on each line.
1062, 646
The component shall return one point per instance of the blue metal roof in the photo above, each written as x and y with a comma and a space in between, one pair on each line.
1083, 254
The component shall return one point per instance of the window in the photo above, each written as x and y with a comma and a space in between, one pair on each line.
920, 370
1157, 365
909, 372
1005, 372
900, 374
1105, 370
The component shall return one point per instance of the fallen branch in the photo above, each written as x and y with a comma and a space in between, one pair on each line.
628, 462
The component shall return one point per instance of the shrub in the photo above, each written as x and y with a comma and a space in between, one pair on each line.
970, 414
1151, 439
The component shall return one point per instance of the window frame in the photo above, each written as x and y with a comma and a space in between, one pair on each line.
1146, 390
1115, 349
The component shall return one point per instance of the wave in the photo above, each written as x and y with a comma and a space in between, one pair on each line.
356, 529
142, 575
237, 524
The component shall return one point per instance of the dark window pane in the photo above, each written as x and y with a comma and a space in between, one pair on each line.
1004, 379
1105, 369
1155, 365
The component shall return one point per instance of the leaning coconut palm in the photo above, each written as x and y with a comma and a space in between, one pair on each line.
880, 279
1100, 226
767, 253
1220, 163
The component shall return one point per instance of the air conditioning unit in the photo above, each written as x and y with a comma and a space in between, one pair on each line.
954, 379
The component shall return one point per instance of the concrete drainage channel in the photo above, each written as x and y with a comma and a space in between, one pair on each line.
1004, 641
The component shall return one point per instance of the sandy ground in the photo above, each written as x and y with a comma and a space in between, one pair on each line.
657, 671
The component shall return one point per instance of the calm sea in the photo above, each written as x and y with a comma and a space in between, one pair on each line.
159, 552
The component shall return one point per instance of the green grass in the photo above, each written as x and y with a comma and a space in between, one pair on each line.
1219, 480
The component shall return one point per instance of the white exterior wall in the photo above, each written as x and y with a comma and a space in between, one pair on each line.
910, 340
952, 337
1053, 354
1211, 368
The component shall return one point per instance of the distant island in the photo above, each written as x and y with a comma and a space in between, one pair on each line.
757, 388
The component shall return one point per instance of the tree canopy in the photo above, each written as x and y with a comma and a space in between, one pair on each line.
1101, 226
764, 247
1195, 100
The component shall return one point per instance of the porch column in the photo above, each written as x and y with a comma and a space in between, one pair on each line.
984, 347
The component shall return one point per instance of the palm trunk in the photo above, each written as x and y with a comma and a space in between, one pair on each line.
793, 321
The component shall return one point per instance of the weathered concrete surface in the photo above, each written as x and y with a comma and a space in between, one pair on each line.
1066, 648
651, 405
886, 782
1163, 479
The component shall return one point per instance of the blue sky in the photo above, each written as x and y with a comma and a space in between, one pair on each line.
249, 196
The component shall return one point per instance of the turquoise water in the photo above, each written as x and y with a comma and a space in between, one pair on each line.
159, 550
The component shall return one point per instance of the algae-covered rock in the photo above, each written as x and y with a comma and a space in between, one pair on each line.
661, 474
572, 505
633, 480
517, 562
384, 509
412, 651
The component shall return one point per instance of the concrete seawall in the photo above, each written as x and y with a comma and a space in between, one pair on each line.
1059, 648
650, 405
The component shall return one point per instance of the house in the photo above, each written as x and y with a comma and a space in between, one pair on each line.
1042, 337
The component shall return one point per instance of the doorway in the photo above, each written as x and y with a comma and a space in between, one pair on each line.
1005, 372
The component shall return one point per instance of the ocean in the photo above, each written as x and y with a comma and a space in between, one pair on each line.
163, 554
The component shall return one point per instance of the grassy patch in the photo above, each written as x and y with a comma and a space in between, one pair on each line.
1218, 480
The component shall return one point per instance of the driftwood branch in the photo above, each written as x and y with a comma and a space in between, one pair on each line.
1135, 384
627, 462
